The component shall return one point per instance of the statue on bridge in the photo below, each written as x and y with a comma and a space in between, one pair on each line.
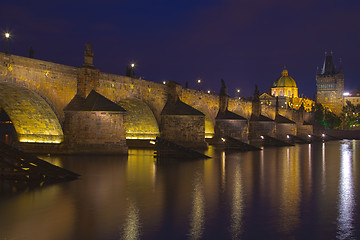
88, 56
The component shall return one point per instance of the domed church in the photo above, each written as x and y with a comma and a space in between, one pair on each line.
284, 86
286, 90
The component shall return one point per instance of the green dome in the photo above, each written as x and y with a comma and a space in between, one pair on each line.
285, 80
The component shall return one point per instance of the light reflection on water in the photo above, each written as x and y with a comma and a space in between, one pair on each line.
197, 217
237, 204
346, 195
303, 192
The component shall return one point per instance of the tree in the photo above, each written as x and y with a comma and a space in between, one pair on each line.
350, 115
319, 113
325, 117
331, 120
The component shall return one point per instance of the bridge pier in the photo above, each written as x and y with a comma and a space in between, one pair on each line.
181, 123
94, 125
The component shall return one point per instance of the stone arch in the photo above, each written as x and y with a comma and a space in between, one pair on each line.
209, 121
32, 117
140, 120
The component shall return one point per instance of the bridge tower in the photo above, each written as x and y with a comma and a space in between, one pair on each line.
330, 85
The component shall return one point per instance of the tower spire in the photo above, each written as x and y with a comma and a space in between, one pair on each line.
328, 67
340, 66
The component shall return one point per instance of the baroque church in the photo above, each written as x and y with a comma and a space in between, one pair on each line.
286, 91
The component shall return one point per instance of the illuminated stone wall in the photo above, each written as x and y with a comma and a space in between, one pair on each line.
258, 128
100, 132
54, 82
232, 127
140, 120
57, 84
283, 129
32, 117
304, 130
118, 88
186, 130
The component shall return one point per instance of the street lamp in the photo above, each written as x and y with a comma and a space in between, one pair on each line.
238, 92
199, 82
130, 70
7, 36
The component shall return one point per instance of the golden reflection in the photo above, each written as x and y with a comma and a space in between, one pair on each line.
143, 185
154, 175
211, 180
310, 163
323, 161
237, 204
141, 166
223, 171
262, 165
198, 211
290, 196
27, 212
346, 195
132, 228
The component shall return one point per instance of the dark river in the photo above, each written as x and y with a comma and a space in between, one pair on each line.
309, 191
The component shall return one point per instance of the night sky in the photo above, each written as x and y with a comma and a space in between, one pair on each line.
243, 42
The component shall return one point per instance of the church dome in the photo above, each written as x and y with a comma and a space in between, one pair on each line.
284, 81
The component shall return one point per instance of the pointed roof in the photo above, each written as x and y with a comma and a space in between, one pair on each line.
97, 102
229, 115
261, 118
76, 104
328, 67
179, 108
282, 119
265, 96
93, 102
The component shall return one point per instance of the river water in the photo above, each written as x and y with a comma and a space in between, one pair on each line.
309, 191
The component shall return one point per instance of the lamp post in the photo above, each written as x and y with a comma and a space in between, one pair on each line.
7, 36
199, 83
238, 93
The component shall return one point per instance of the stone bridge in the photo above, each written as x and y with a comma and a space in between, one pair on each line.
34, 94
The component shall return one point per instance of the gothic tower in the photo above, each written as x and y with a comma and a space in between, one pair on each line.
330, 86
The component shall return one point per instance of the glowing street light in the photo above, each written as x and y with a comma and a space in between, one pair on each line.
164, 82
208, 91
199, 83
7, 36
132, 65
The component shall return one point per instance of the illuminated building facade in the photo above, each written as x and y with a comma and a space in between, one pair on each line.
286, 90
353, 97
330, 86
284, 86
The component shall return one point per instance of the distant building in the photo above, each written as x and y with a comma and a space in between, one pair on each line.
330, 86
353, 97
286, 90
284, 86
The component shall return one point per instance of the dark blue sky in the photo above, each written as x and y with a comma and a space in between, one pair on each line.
244, 42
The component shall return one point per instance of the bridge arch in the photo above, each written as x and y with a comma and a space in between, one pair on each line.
32, 117
209, 121
140, 120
